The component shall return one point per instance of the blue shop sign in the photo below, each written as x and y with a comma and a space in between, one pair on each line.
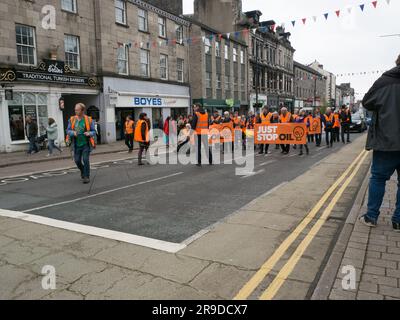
147, 102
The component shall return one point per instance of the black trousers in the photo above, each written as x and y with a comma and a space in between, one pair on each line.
336, 134
318, 139
345, 130
199, 140
285, 148
310, 138
329, 137
180, 145
144, 146
129, 141
264, 147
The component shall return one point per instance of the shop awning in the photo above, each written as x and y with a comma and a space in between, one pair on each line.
215, 103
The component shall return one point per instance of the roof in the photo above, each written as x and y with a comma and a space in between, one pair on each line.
306, 68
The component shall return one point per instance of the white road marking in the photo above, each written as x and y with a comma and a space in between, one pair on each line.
98, 232
103, 193
267, 163
252, 174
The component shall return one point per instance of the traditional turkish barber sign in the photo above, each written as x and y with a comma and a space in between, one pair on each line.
48, 71
280, 133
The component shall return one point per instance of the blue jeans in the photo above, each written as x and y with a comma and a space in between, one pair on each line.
52, 146
384, 164
33, 146
82, 154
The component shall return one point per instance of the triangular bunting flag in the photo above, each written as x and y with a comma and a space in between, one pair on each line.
254, 30
204, 38
337, 13
141, 44
220, 37
236, 35
388, 2
362, 7
349, 10
326, 16
304, 20
293, 22
375, 3
315, 18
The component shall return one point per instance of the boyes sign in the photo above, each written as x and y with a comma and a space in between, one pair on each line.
280, 133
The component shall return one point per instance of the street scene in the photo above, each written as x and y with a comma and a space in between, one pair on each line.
199, 151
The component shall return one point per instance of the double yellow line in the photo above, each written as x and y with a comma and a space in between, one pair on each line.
267, 267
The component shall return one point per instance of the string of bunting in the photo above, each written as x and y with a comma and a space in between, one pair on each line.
236, 34
365, 73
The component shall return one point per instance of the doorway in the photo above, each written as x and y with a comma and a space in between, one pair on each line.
120, 118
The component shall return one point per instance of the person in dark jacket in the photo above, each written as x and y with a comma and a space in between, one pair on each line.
383, 100
32, 134
345, 121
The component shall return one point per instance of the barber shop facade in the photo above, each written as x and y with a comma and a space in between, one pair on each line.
40, 92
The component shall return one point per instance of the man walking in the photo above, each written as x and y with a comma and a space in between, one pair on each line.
129, 128
383, 100
318, 137
328, 121
345, 120
81, 133
142, 136
32, 134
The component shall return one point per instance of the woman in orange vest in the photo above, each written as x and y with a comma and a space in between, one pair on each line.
310, 137
129, 129
285, 117
328, 121
142, 135
200, 126
336, 127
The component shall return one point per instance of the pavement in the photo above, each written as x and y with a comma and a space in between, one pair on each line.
209, 235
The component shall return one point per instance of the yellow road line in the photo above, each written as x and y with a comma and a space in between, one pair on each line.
254, 282
287, 269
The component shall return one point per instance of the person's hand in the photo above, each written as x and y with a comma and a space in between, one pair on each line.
75, 134
87, 134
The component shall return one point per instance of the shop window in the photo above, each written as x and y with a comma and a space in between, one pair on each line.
24, 105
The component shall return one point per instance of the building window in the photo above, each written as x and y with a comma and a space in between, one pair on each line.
122, 60
120, 11
242, 56
180, 69
235, 55
164, 67
217, 49
207, 46
143, 20
227, 83
72, 56
226, 52
144, 63
26, 44
179, 33
208, 84
68, 5
23, 105
162, 30
219, 86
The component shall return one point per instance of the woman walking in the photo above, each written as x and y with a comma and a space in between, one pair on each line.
52, 136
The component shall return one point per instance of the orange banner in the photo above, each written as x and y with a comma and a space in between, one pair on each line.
280, 133
226, 131
315, 126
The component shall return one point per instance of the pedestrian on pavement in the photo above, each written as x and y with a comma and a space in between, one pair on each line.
336, 126
383, 100
142, 136
318, 137
52, 136
285, 117
129, 130
328, 121
303, 118
345, 121
200, 125
184, 137
81, 133
166, 130
31, 130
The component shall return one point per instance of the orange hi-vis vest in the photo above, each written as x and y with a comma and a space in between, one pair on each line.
88, 122
138, 132
336, 121
129, 126
236, 121
295, 116
266, 119
202, 123
285, 119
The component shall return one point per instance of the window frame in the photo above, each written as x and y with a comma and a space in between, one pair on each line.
179, 33
145, 19
74, 6
182, 70
164, 27
164, 67
125, 48
25, 45
121, 9
147, 63
73, 53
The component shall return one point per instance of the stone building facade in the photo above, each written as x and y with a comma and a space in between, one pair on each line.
309, 87
330, 92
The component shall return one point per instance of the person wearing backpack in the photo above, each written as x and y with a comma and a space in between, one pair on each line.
80, 135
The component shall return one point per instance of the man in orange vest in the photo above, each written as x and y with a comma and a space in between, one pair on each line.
309, 120
265, 119
336, 126
80, 134
328, 121
285, 117
129, 129
200, 125
142, 136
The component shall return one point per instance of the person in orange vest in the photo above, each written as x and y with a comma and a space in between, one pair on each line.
129, 130
318, 137
265, 119
80, 135
328, 121
302, 118
336, 126
285, 117
200, 125
310, 137
142, 136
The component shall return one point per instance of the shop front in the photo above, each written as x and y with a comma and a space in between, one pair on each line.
125, 97
38, 93
221, 106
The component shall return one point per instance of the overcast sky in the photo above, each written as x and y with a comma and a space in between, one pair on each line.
348, 44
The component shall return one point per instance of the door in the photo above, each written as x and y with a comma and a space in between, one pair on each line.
120, 118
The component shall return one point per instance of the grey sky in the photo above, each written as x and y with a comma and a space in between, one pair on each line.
347, 44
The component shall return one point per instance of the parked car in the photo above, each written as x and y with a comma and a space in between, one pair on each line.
358, 123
